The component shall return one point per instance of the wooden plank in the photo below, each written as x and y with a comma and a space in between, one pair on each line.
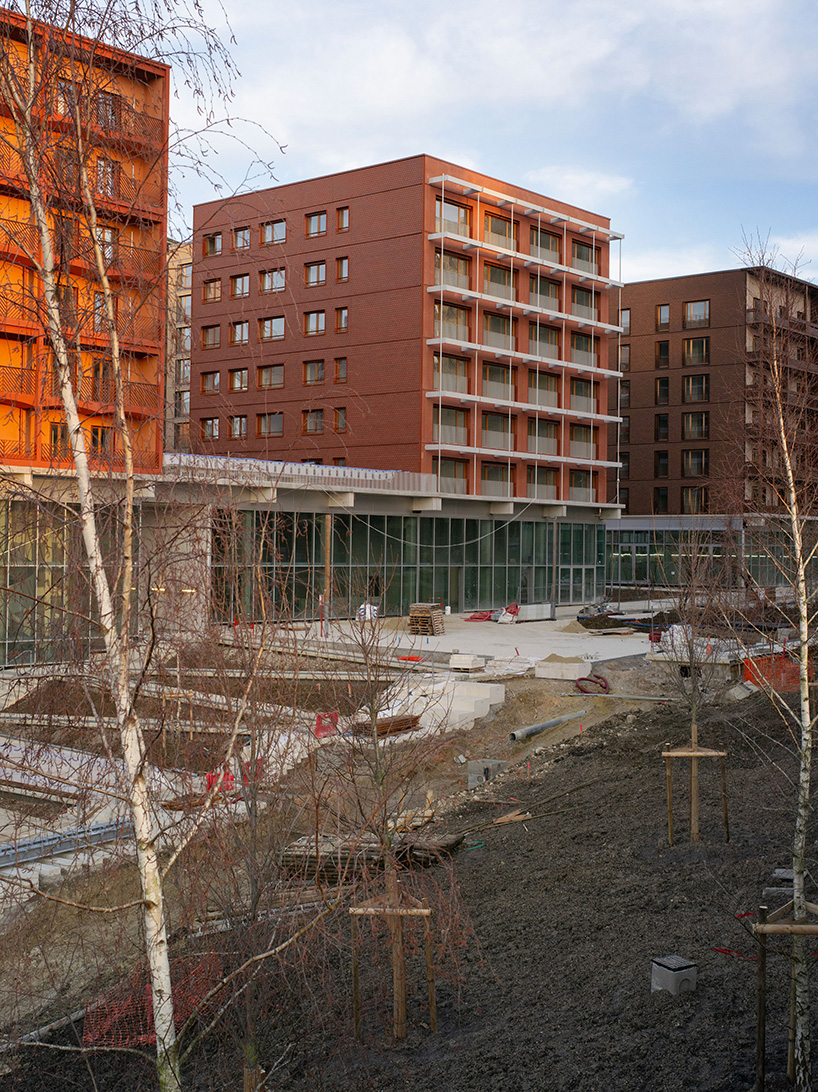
390, 911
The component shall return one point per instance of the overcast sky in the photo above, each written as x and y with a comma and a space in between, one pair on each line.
688, 122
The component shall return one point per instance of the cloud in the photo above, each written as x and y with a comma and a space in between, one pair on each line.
651, 263
578, 185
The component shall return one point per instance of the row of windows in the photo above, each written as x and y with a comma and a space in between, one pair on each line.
273, 280
272, 424
454, 271
452, 426
695, 353
273, 328
694, 314
499, 331
270, 376
544, 477
695, 388
454, 375
694, 426
695, 463
273, 231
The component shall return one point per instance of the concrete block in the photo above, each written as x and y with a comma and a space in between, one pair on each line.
672, 973
562, 669
536, 612
495, 692
459, 661
483, 770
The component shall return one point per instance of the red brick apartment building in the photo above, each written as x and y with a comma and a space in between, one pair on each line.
413, 315
688, 351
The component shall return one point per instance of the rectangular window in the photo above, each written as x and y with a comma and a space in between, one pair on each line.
183, 309
342, 219
624, 358
451, 473
210, 428
270, 424
625, 430
451, 322
662, 396
212, 245
182, 373
542, 389
240, 286
312, 421
625, 320
498, 331
211, 337
239, 333
696, 463
241, 238
696, 426
694, 499
184, 277
544, 293
450, 425
183, 339
663, 316
451, 373
544, 341
584, 257
498, 231
313, 372
271, 329
238, 428
316, 224
270, 376
545, 245
315, 273
274, 231
662, 354
583, 349
543, 436
697, 314
584, 303
340, 419
314, 322
339, 460
100, 439
341, 320
696, 351
625, 460
452, 270
494, 479
661, 464
661, 429
660, 500
452, 218
238, 379
696, 388
272, 280
499, 381
340, 369
181, 404
211, 291
498, 281
342, 269
624, 394
210, 382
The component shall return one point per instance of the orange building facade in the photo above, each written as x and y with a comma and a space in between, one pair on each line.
100, 140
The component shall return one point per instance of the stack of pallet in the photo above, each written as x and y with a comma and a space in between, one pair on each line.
426, 619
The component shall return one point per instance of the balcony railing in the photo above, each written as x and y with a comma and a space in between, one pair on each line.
499, 341
581, 450
579, 310
585, 267
113, 117
103, 392
581, 493
451, 434
15, 449
494, 238
548, 303
451, 331
100, 460
501, 291
582, 404
544, 348
495, 489
454, 227
503, 391
128, 191
452, 485
452, 280
579, 356
501, 441
17, 381
452, 384
18, 239
543, 445
541, 492
539, 397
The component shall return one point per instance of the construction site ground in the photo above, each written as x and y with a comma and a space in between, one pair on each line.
564, 911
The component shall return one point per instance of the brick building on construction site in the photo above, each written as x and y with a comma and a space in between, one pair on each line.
413, 315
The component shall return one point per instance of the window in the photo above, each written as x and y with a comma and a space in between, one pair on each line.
494, 479
315, 273
499, 231
451, 217
450, 425
182, 373
694, 499
660, 500
624, 394
545, 245
582, 439
543, 436
241, 238
183, 339
663, 316
583, 349
240, 286
662, 354
499, 381
498, 281
60, 444
696, 388
660, 427
312, 421
451, 322
661, 464
181, 404
339, 460
238, 379
100, 439
271, 280
544, 293
625, 460
184, 278
107, 238
542, 389
211, 337
342, 219
270, 376
316, 224
274, 231
498, 331
239, 333
210, 382
313, 372
212, 245
341, 320
625, 320
314, 322
544, 340
451, 373
340, 419
271, 329
210, 428
697, 314
696, 463
211, 291
68, 96
451, 269
624, 358
100, 314
696, 426
624, 497
108, 109
238, 428
625, 430
342, 269
696, 351
583, 303
340, 369
584, 257
270, 424
662, 396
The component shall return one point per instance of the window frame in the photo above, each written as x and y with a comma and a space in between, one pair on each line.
272, 225
212, 290
341, 369
232, 432
271, 369
272, 274
212, 244
342, 269
341, 320
240, 332
339, 421
317, 229
342, 218
234, 283
209, 428
211, 336
312, 422
688, 382
319, 268
662, 317
689, 321
661, 391
269, 417
272, 336
234, 382
313, 373
320, 318
209, 382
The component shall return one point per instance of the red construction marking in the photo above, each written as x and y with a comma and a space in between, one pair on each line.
732, 952
413, 659
226, 782
326, 724
746, 914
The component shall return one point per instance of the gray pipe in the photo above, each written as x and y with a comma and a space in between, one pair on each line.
535, 729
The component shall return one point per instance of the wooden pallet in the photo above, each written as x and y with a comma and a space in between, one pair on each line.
426, 619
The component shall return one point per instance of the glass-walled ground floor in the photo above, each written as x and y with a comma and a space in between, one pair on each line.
288, 562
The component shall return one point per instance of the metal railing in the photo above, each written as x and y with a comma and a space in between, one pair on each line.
501, 441
582, 404
499, 341
17, 381
580, 449
585, 267
451, 331
450, 434
579, 310
494, 238
542, 492
501, 291
543, 445
452, 280
454, 227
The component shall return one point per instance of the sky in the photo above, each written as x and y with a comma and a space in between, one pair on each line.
692, 124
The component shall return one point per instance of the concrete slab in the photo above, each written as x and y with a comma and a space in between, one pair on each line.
562, 669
